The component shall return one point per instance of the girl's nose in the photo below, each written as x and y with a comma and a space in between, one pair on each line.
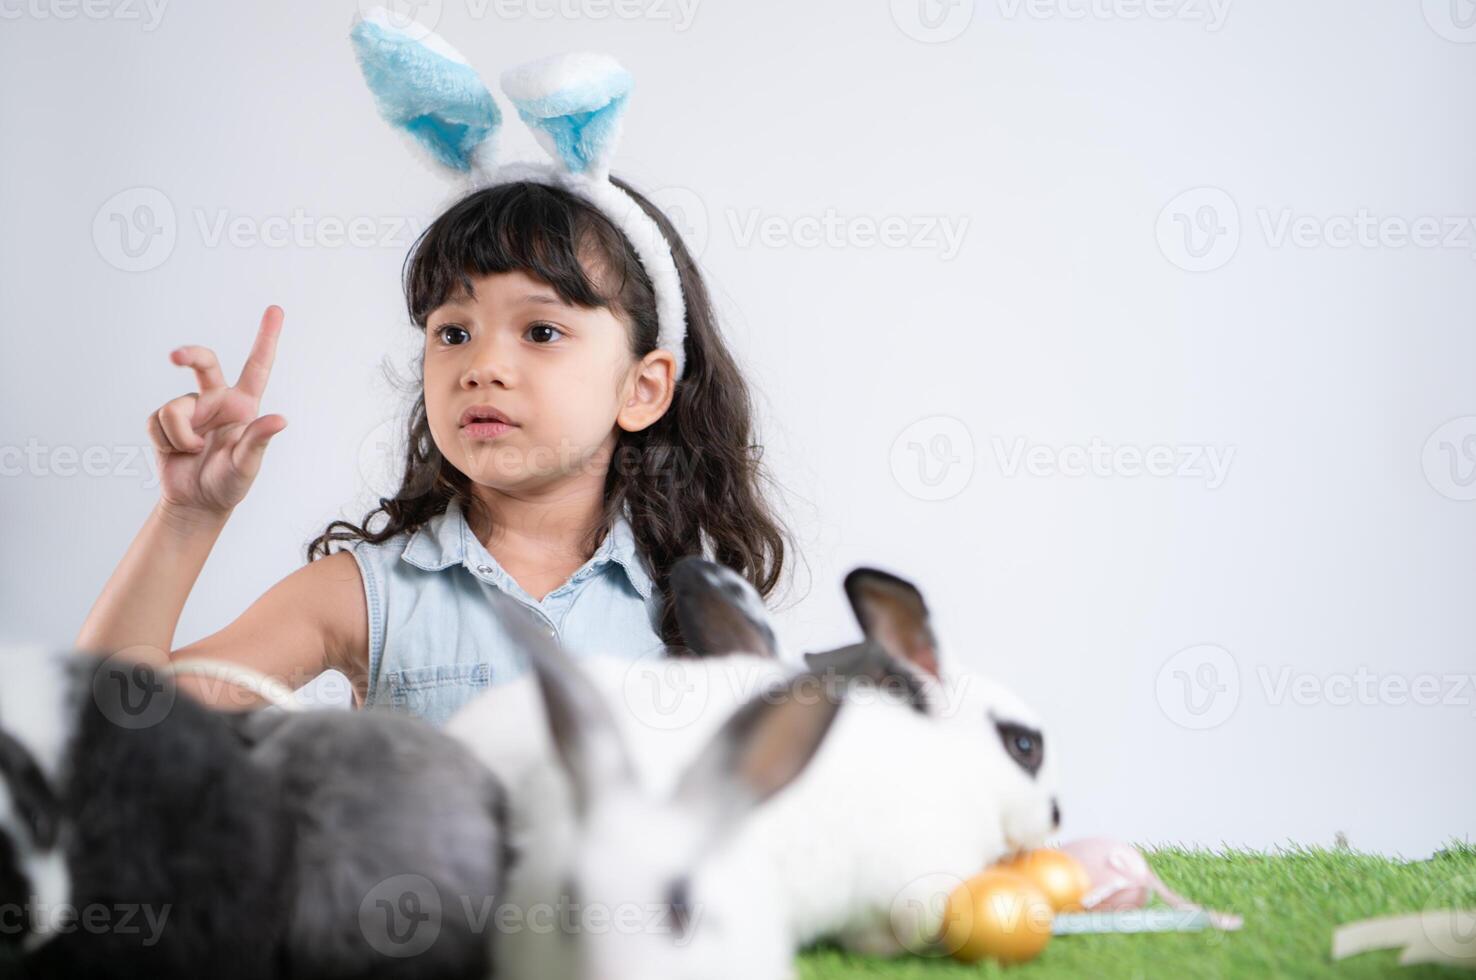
480, 377
491, 365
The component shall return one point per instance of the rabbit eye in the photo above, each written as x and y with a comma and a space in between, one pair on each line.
1023, 743
681, 911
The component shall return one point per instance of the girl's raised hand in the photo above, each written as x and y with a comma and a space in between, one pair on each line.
210, 444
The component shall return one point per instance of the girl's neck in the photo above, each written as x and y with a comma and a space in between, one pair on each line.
525, 530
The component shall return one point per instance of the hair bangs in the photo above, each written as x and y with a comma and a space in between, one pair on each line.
545, 232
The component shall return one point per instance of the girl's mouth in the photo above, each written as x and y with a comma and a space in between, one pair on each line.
486, 429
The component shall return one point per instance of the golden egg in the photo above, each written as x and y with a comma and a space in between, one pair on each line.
1058, 874
999, 914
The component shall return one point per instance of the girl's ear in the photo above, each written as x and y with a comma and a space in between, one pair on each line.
425, 89
652, 388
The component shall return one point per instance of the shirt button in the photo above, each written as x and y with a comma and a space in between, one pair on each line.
485, 569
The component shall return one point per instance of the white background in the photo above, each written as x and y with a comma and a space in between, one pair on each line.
1090, 301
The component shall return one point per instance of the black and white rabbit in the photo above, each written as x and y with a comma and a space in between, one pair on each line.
267, 844
927, 778
136, 837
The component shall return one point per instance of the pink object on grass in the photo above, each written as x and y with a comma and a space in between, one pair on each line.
1122, 879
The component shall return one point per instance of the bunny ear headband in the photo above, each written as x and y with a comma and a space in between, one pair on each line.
573, 103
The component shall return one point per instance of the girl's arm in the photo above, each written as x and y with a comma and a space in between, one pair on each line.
209, 446
140, 606
312, 620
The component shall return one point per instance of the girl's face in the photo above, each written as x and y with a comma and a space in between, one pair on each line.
563, 375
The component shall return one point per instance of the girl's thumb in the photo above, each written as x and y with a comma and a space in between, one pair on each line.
246, 453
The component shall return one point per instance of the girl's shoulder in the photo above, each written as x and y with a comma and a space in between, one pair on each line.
428, 544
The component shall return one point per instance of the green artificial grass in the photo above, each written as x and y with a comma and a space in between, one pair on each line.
1291, 899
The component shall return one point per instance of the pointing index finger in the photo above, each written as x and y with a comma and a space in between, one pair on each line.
258, 365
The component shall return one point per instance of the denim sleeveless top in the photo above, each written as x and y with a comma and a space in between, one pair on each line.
435, 640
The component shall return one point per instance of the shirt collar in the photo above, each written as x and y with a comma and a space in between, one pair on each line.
447, 540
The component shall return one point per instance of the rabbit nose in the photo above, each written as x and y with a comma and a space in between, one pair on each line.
1055, 814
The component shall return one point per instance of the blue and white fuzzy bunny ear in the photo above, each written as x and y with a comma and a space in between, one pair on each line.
574, 104
426, 90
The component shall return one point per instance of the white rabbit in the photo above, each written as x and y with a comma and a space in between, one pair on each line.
629, 836
925, 779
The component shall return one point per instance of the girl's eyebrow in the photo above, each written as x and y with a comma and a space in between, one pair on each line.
543, 298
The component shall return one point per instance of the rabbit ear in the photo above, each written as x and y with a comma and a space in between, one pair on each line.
870, 660
573, 103
718, 610
583, 729
892, 613
427, 91
761, 748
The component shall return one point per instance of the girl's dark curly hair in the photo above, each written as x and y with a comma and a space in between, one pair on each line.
693, 479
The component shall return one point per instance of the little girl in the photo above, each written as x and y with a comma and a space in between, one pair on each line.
555, 453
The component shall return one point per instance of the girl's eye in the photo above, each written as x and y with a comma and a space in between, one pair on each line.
451, 328
540, 333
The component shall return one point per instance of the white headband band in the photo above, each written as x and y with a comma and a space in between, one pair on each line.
572, 103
